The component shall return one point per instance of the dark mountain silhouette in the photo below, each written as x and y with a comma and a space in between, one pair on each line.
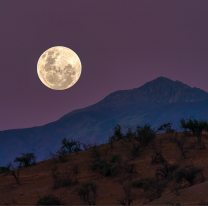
156, 102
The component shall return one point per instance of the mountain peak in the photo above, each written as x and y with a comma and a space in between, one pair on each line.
159, 90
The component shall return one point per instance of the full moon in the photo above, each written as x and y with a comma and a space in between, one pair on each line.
59, 68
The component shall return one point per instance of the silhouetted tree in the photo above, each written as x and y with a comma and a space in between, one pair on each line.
117, 135
145, 134
12, 171
26, 160
166, 127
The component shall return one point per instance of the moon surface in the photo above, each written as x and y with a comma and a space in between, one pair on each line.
59, 68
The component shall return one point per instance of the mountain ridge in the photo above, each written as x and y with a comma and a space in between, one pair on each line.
154, 103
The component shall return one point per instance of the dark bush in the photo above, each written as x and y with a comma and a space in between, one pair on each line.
88, 192
88, 145
71, 145
49, 200
129, 135
144, 183
129, 168
195, 126
68, 178
115, 158
157, 158
107, 168
137, 148
166, 127
117, 135
165, 172
62, 154
68, 146
26, 160
14, 172
95, 152
145, 135
129, 197
151, 186
188, 172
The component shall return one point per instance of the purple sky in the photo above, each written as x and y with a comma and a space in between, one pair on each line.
122, 44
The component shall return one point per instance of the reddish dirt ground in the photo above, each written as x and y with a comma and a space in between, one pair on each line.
39, 178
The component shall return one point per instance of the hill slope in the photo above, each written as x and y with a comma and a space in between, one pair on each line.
39, 178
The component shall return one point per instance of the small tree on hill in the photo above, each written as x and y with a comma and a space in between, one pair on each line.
166, 127
88, 192
26, 160
12, 171
195, 126
145, 134
70, 145
117, 135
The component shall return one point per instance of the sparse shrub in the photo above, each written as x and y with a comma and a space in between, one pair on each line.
137, 148
129, 168
157, 157
129, 135
180, 143
174, 186
14, 172
26, 160
53, 155
117, 134
166, 127
68, 146
129, 197
55, 173
165, 172
95, 164
88, 145
68, 178
115, 158
49, 200
96, 152
88, 192
145, 135
144, 183
107, 168
195, 126
153, 188
188, 172
62, 154
71, 145
202, 202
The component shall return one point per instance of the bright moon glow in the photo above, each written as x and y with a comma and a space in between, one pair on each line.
59, 68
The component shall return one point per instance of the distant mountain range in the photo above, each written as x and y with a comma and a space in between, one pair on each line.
156, 102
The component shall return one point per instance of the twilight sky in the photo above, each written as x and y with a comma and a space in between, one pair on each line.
122, 44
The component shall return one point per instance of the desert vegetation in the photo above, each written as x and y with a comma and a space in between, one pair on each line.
119, 161
68, 146
88, 192
26, 160
166, 127
66, 179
